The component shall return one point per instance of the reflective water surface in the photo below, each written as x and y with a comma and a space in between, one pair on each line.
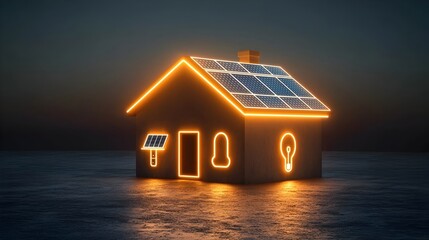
71, 195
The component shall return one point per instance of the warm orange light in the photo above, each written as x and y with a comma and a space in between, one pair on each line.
179, 172
290, 150
226, 154
224, 96
285, 115
154, 150
153, 158
155, 85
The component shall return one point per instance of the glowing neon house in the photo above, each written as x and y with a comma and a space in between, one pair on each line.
226, 121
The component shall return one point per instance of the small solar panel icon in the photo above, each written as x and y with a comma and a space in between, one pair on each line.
154, 142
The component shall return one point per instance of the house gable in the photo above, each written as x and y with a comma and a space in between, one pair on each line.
227, 97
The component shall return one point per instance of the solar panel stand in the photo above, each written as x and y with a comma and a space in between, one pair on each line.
153, 158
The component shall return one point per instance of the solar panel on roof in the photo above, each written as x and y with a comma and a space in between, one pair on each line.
276, 70
255, 68
314, 103
295, 87
253, 87
207, 63
253, 84
294, 103
273, 102
155, 141
248, 100
232, 66
228, 82
276, 86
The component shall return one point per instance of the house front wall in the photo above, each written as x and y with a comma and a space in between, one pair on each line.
184, 102
264, 161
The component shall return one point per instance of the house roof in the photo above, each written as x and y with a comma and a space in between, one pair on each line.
252, 89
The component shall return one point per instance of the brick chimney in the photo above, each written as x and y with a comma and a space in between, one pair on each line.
248, 56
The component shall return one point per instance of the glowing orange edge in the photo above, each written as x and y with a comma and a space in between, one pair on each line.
227, 151
222, 94
154, 149
198, 154
293, 154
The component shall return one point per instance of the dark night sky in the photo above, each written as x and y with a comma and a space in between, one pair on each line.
70, 69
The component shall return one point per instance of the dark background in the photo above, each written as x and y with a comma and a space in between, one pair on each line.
69, 70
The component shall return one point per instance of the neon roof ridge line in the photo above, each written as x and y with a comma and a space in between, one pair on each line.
205, 75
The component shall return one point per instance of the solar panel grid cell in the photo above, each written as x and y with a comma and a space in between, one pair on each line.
276, 70
295, 87
156, 143
276, 86
209, 64
253, 84
229, 82
249, 101
314, 103
272, 102
294, 103
254, 68
148, 139
232, 66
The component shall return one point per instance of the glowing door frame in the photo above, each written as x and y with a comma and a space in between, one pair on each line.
178, 154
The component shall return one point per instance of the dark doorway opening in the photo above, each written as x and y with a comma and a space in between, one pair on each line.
189, 154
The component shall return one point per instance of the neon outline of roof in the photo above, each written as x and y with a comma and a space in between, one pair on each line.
205, 75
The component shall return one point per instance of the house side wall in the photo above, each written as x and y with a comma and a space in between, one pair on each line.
264, 162
185, 102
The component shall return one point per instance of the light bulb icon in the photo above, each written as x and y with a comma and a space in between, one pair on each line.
288, 149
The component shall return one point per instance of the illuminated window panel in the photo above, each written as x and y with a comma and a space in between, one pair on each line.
295, 103
208, 64
254, 68
314, 103
272, 102
276, 70
232, 66
276, 86
249, 101
295, 87
228, 82
253, 84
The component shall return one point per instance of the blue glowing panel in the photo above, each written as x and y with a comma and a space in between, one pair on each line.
152, 141
208, 64
295, 103
253, 84
228, 82
249, 101
158, 139
295, 87
276, 86
232, 66
155, 141
148, 140
276, 70
272, 102
254, 68
314, 103
162, 141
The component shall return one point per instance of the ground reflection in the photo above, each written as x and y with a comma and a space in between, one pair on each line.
181, 208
